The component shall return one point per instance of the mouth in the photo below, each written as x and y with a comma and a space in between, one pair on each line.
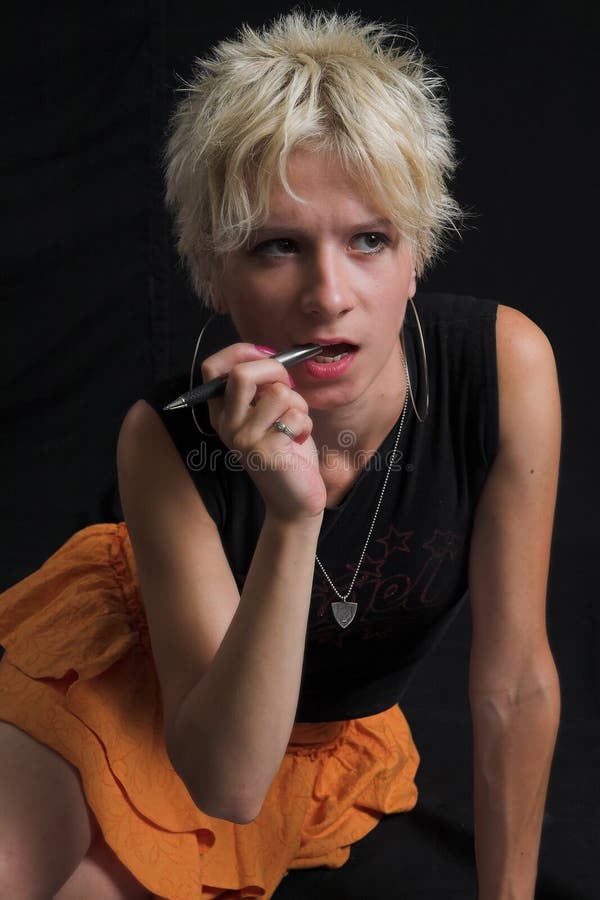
333, 361
334, 352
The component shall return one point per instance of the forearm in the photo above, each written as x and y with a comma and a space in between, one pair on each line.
514, 736
233, 727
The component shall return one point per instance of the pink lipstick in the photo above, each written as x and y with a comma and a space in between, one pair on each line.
333, 361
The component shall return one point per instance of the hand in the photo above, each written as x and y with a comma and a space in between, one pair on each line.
259, 393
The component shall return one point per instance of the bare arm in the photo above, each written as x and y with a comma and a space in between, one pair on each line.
234, 725
514, 691
229, 666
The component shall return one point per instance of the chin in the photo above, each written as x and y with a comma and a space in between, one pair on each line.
327, 398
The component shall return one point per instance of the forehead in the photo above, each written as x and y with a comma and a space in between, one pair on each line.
318, 185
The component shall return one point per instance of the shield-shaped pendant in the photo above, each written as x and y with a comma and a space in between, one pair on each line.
344, 611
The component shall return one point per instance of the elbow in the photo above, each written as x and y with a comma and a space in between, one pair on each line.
537, 695
226, 808
212, 794
505, 702
221, 803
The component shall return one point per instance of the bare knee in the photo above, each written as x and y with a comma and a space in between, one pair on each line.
99, 875
45, 825
102, 876
16, 876
23, 876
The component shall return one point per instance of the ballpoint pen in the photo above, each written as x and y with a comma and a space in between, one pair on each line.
216, 386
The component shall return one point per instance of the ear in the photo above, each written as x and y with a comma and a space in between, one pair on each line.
217, 302
213, 289
412, 282
209, 296
412, 286
412, 262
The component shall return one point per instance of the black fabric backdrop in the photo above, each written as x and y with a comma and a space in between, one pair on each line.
95, 307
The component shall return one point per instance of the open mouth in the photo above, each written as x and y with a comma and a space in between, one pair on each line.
334, 352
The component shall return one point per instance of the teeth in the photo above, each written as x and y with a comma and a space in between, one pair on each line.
330, 359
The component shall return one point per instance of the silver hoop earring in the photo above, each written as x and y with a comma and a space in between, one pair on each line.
193, 410
425, 370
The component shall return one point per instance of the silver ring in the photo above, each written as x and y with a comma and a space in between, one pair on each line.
282, 427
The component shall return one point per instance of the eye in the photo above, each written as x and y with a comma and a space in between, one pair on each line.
370, 242
275, 247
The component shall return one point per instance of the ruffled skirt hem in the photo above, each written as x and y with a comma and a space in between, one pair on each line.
78, 676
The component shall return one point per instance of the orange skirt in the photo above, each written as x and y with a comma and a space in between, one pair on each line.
78, 675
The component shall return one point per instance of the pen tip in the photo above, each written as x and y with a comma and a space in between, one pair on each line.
179, 403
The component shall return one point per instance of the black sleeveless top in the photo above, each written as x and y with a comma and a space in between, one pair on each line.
413, 578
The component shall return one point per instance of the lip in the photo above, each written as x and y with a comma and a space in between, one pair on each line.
326, 371
331, 340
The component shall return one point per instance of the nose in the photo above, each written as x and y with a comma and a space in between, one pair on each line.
327, 289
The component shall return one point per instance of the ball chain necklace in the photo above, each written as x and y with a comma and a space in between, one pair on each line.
343, 609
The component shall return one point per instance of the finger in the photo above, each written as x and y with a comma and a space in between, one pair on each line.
273, 401
243, 382
298, 423
225, 363
298, 428
278, 403
261, 388
222, 362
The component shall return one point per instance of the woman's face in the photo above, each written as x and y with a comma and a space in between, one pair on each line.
331, 269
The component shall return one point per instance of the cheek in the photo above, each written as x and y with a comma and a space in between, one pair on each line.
226, 296
251, 322
242, 323
398, 322
396, 316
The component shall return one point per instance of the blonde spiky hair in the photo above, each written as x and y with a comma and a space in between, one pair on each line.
333, 82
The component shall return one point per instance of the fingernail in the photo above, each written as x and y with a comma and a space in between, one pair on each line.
292, 382
262, 349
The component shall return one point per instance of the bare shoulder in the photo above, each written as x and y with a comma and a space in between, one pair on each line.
529, 398
141, 421
149, 464
149, 467
521, 344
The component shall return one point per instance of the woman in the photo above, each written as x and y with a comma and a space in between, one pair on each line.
205, 697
